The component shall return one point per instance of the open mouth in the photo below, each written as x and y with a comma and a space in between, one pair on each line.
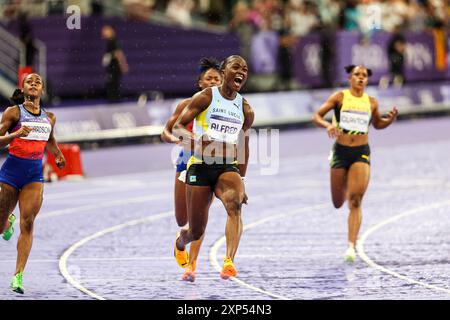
239, 80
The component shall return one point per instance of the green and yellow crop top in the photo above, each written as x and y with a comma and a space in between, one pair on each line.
354, 115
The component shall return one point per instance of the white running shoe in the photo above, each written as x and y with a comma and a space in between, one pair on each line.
350, 255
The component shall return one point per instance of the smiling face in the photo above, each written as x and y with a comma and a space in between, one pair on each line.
210, 78
235, 73
33, 86
359, 78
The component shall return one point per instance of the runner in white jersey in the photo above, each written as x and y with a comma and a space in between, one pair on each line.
220, 156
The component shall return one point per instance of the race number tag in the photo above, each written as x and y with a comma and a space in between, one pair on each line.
353, 121
224, 129
40, 131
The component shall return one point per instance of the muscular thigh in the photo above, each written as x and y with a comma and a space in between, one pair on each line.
30, 198
358, 178
229, 185
8, 198
198, 199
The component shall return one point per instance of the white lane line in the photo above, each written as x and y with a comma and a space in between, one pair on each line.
68, 252
99, 188
215, 204
222, 240
376, 227
105, 204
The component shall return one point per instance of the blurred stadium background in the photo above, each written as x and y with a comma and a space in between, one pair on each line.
296, 48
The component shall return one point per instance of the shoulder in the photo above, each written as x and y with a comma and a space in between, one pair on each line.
204, 95
12, 112
248, 111
373, 101
51, 116
339, 95
182, 104
245, 103
337, 98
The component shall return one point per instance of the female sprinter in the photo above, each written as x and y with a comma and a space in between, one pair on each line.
30, 130
354, 110
221, 150
209, 76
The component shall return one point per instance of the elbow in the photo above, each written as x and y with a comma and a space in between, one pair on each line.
377, 126
314, 119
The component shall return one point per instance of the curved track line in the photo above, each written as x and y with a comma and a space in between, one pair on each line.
68, 252
105, 204
221, 241
371, 263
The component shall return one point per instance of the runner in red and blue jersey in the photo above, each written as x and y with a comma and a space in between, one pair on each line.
30, 130
209, 76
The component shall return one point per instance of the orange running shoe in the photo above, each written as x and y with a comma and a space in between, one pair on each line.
228, 270
181, 256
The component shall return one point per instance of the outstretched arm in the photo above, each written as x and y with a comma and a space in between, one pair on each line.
382, 121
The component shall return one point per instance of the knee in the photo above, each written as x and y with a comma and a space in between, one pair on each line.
26, 224
181, 218
355, 200
2, 226
197, 233
337, 203
233, 203
3, 221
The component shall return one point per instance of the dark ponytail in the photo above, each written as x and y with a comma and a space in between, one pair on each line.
17, 97
206, 64
349, 69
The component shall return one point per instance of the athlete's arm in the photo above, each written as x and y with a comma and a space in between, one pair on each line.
199, 102
318, 117
10, 117
248, 122
382, 121
52, 145
167, 135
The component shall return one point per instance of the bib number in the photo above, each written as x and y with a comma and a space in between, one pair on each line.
40, 131
354, 122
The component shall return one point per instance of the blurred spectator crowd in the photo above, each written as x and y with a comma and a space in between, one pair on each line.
298, 16
268, 28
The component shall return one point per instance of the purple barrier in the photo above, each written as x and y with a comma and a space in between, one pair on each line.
160, 58
351, 48
264, 52
420, 63
308, 60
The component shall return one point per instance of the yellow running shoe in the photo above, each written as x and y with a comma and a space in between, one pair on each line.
228, 270
181, 256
